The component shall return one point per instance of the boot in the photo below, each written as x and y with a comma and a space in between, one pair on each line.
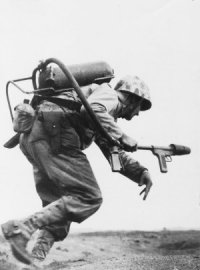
18, 235
43, 245
19, 232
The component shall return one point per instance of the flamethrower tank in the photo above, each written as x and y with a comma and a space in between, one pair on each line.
85, 74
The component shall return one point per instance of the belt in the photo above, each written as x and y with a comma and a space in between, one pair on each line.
66, 103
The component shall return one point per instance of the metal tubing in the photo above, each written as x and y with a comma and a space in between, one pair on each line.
17, 86
22, 79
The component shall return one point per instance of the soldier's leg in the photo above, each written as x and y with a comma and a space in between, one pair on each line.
46, 239
81, 197
49, 234
19, 232
72, 176
60, 212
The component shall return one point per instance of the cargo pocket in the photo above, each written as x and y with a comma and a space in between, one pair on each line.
51, 121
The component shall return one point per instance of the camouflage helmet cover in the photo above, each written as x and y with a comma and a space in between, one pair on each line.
134, 85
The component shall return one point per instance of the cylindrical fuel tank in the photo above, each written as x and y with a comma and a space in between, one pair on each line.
85, 74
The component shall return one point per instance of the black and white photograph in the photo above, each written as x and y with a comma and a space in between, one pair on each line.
99, 145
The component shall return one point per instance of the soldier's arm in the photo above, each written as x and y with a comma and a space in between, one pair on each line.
104, 102
132, 169
137, 173
106, 120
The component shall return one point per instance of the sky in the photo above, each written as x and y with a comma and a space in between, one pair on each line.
158, 40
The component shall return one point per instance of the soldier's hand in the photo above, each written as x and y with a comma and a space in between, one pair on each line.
129, 144
145, 180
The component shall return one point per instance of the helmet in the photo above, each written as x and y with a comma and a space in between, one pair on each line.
134, 85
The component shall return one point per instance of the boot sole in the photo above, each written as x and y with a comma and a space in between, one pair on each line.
19, 255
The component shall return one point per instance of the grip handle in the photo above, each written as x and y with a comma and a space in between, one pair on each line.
115, 160
162, 161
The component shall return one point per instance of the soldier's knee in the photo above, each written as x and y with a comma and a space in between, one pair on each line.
100, 201
80, 208
96, 204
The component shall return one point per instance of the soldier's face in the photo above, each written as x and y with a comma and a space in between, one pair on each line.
131, 111
131, 108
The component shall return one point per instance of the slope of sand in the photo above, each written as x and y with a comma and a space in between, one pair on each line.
137, 250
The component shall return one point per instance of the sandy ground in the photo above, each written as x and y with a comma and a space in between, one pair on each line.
137, 250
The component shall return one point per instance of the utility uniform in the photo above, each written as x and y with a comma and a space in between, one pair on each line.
66, 173
105, 103
53, 172
63, 176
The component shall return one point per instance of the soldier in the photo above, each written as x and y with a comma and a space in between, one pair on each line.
64, 179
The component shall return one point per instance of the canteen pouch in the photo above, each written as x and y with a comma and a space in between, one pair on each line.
24, 116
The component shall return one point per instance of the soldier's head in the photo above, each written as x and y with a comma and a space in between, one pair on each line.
134, 96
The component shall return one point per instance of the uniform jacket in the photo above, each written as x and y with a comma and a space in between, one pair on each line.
107, 107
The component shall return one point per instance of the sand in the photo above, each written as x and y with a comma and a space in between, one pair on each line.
137, 250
